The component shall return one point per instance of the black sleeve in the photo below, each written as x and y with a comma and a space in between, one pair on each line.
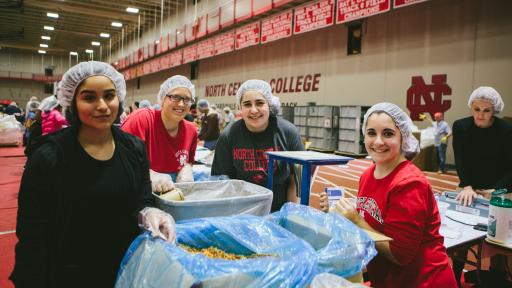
506, 180
223, 159
146, 196
458, 150
33, 221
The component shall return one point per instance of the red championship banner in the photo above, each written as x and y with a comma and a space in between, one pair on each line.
213, 22
243, 10
172, 39
227, 14
312, 16
403, 3
261, 6
206, 48
201, 26
189, 32
155, 65
164, 41
349, 10
180, 36
176, 58
140, 54
164, 62
190, 53
146, 52
276, 27
151, 48
225, 42
247, 35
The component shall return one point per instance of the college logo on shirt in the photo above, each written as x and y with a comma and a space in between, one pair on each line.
182, 156
369, 206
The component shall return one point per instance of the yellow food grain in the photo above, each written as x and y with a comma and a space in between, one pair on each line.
216, 253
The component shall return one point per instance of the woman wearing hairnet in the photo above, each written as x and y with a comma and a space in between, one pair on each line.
240, 151
82, 190
170, 140
51, 116
481, 144
395, 199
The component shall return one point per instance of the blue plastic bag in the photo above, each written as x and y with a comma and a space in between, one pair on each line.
342, 247
151, 262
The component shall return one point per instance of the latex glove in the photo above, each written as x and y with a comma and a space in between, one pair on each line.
160, 182
444, 139
466, 196
185, 174
347, 209
324, 202
422, 116
159, 223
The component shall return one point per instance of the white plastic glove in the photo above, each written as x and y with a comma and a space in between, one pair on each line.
185, 174
159, 223
160, 182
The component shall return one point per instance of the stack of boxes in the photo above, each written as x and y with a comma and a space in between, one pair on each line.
318, 124
351, 138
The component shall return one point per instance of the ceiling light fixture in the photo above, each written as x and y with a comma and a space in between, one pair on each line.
117, 24
52, 15
73, 53
104, 35
49, 28
41, 51
94, 43
46, 37
89, 51
132, 10
43, 45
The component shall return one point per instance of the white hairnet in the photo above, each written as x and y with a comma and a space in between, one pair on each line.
144, 104
174, 82
264, 89
410, 145
81, 71
489, 94
48, 104
33, 105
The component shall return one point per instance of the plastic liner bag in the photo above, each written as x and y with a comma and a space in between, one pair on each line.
328, 280
151, 262
427, 137
218, 198
342, 247
10, 131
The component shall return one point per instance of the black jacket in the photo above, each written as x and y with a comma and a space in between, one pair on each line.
47, 201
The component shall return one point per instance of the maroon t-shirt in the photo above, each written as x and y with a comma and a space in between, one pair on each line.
402, 206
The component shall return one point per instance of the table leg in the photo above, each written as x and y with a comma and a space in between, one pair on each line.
305, 184
270, 176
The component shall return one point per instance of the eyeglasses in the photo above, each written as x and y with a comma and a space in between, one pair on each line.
178, 99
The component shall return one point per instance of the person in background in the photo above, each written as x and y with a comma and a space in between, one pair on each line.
145, 104
30, 116
13, 109
481, 146
29, 103
52, 118
192, 114
442, 132
170, 141
229, 117
83, 191
396, 199
240, 152
210, 129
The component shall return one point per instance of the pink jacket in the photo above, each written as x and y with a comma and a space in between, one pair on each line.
52, 121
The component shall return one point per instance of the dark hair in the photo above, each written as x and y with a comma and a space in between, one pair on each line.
136, 103
72, 115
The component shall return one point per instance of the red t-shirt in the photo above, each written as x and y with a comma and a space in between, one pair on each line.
166, 154
402, 206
